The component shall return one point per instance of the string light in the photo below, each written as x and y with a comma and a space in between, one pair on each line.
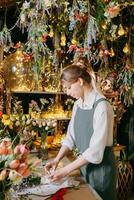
126, 49
121, 30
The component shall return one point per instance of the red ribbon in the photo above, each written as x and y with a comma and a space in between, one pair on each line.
59, 194
1, 113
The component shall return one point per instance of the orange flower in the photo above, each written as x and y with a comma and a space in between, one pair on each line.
22, 168
5, 147
114, 11
14, 164
26, 173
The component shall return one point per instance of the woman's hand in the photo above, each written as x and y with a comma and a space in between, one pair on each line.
60, 173
51, 166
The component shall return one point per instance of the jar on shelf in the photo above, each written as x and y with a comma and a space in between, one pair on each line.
20, 76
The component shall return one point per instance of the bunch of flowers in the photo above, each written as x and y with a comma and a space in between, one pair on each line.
16, 163
69, 103
44, 127
17, 125
33, 107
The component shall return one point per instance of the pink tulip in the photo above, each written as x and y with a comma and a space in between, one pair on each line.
26, 173
6, 142
24, 158
22, 168
17, 150
21, 149
36, 162
14, 164
3, 151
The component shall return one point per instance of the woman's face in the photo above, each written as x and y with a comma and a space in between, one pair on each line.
73, 89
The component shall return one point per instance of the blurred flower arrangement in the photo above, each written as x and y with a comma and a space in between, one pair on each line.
34, 109
16, 163
25, 128
43, 127
17, 125
69, 104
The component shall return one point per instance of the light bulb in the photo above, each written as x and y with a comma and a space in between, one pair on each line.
126, 49
112, 54
104, 25
73, 41
121, 30
63, 39
51, 33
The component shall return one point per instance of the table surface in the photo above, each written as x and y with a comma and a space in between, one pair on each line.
84, 191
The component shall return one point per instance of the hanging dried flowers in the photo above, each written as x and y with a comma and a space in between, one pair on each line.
126, 83
5, 37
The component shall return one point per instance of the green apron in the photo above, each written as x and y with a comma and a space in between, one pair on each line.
102, 177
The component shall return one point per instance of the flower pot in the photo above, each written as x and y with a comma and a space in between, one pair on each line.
125, 179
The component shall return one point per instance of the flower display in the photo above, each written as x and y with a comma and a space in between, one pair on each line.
23, 128
69, 103
16, 163
44, 128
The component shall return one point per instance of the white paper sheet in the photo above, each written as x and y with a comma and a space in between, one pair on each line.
45, 188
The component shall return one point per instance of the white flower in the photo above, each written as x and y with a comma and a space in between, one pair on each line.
48, 123
46, 128
26, 5
15, 176
48, 3
43, 123
54, 124
22, 18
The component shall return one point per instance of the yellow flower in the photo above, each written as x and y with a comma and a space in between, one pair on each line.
7, 122
5, 117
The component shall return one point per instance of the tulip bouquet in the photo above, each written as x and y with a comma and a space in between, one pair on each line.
16, 163
43, 127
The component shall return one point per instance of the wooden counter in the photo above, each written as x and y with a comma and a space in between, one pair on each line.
84, 191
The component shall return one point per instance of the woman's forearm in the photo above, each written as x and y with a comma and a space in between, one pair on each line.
62, 172
62, 152
76, 164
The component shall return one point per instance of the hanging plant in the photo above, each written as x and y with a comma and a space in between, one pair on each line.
92, 30
5, 37
125, 83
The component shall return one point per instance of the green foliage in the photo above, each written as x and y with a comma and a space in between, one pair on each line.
99, 8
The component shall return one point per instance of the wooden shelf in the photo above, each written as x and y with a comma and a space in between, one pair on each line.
35, 92
58, 119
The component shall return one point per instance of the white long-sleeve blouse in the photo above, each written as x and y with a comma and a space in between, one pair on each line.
103, 121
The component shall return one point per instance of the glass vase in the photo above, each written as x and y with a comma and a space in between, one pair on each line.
43, 153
